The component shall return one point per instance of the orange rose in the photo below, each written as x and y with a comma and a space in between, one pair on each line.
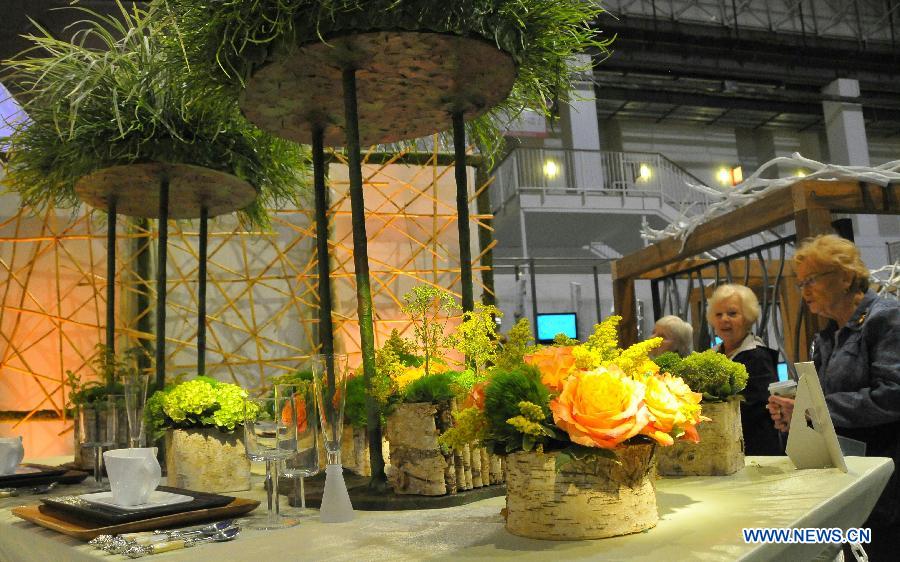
475, 398
555, 363
672, 405
300, 408
600, 408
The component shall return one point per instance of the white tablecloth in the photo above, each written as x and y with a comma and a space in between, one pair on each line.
700, 519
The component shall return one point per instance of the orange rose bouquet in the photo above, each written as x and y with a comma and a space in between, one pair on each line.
584, 399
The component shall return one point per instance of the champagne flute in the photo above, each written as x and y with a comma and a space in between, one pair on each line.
305, 460
135, 398
98, 421
270, 435
331, 394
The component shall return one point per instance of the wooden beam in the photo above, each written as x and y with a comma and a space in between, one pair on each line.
772, 210
624, 299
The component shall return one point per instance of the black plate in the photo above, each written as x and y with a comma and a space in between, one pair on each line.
72, 507
43, 475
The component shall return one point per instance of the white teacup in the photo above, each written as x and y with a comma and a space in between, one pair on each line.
11, 454
133, 474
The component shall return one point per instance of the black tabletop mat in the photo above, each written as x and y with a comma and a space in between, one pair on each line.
43, 475
72, 507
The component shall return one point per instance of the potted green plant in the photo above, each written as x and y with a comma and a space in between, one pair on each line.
202, 420
721, 448
108, 373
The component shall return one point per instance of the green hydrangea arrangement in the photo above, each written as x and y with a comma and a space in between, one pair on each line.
197, 403
717, 377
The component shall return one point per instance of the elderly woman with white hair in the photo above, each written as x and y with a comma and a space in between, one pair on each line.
677, 335
732, 310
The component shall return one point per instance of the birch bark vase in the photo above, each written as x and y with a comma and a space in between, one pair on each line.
720, 451
420, 466
590, 499
207, 460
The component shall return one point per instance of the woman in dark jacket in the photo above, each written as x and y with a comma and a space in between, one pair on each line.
857, 357
732, 310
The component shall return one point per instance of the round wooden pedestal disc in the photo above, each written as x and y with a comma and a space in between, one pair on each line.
408, 86
136, 190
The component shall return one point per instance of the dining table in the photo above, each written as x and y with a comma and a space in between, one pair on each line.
700, 518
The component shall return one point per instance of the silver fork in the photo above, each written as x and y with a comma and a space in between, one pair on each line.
137, 551
116, 544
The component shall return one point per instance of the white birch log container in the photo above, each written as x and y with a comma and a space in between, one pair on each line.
419, 465
720, 451
207, 460
592, 498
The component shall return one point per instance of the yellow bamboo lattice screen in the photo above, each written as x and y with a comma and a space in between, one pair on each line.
261, 294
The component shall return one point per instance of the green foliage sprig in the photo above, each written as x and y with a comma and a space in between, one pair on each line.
476, 337
429, 309
109, 374
712, 374
519, 342
117, 94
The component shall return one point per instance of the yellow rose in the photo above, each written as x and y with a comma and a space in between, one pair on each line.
555, 364
672, 405
600, 408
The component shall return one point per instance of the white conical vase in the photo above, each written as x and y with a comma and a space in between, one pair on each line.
336, 506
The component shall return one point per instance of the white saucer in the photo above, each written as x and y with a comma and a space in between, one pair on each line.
157, 499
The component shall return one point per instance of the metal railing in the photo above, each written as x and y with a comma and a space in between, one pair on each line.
586, 172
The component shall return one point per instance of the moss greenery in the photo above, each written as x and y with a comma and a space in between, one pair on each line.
438, 387
232, 39
502, 402
712, 374
117, 94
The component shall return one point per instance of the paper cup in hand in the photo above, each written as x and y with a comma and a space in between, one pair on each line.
133, 474
11, 454
788, 388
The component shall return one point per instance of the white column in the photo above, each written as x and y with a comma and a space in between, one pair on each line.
844, 125
848, 145
580, 128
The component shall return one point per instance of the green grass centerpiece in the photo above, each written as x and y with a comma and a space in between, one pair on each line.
118, 94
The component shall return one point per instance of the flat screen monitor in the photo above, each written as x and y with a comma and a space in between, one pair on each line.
551, 324
783, 373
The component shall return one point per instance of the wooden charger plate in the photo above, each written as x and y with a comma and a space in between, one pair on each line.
87, 530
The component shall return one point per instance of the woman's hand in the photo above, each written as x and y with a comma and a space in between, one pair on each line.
781, 409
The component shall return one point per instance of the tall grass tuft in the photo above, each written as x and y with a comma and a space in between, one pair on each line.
119, 92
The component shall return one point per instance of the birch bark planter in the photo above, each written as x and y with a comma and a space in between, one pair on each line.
590, 499
207, 460
420, 467
721, 448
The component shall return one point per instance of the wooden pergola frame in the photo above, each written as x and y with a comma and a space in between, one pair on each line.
809, 204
